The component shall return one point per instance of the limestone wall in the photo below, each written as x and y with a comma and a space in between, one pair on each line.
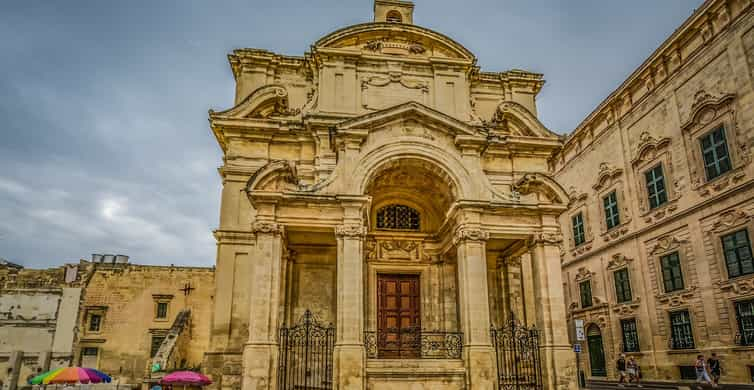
698, 80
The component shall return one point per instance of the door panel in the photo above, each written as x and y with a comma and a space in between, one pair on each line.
398, 316
596, 355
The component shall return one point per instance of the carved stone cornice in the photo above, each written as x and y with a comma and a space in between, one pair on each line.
267, 227
666, 244
729, 220
606, 175
469, 234
583, 274
649, 147
351, 231
677, 298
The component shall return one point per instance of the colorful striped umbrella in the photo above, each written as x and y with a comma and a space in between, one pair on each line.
70, 375
185, 378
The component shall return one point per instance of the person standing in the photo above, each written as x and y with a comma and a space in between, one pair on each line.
701, 370
620, 365
714, 369
632, 367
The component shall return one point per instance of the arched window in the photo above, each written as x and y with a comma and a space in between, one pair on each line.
394, 17
397, 217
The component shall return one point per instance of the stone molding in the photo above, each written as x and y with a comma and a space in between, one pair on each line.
606, 176
584, 274
729, 220
618, 261
666, 244
350, 231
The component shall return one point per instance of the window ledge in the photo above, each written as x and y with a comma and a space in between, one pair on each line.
683, 351
720, 183
740, 348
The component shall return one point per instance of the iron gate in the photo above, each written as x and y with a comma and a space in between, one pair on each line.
306, 355
517, 354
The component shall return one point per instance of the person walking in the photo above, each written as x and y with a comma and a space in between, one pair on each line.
714, 369
701, 370
620, 365
632, 368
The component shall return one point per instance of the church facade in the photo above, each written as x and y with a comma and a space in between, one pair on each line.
387, 219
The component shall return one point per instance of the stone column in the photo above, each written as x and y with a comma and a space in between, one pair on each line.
260, 354
473, 303
350, 356
558, 361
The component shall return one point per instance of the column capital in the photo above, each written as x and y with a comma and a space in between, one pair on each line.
549, 238
351, 231
466, 234
267, 227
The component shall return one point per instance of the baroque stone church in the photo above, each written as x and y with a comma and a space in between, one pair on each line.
387, 219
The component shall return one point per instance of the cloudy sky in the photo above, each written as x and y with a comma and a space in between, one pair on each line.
105, 148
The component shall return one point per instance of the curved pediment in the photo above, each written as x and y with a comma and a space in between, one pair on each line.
395, 39
267, 101
513, 118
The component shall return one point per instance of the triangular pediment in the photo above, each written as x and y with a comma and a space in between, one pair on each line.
411, 110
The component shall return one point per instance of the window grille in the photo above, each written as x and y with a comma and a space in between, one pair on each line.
682, 336
398, 217
630, 335
745, 317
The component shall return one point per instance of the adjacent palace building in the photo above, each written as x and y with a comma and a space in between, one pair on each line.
393, 217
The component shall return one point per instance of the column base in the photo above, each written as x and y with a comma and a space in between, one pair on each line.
260, 363
559, 367
480, 367
349, 367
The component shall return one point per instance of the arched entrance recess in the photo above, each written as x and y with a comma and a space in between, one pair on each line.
596, 351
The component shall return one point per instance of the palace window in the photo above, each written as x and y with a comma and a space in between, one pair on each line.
630, 335
398, 217
162, 310
682, 336
715, 153
155, 346
95, 320
672, 276
394, 17
737, 251
577, 223
745, 317
656, 192
585, 289
622, 285
612, 216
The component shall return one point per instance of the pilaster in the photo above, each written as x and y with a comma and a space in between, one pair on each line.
558, 361
260, 355
474, 307
349, 345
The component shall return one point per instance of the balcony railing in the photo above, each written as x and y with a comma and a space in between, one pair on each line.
413, 343
746, 338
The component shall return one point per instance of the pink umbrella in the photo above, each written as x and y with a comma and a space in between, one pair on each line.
185, 378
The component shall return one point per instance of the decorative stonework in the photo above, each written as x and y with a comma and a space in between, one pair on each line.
729, 220
395, 250
394, 47
583, 274
677, 298
575, 197
536, 183
666, 244
464, 234
627, 308
266, 227
386, 86
350, 231
737, 287
618, 261
649, 148
233, 237
606, 176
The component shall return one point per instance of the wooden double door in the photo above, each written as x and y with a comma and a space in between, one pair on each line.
398, 316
